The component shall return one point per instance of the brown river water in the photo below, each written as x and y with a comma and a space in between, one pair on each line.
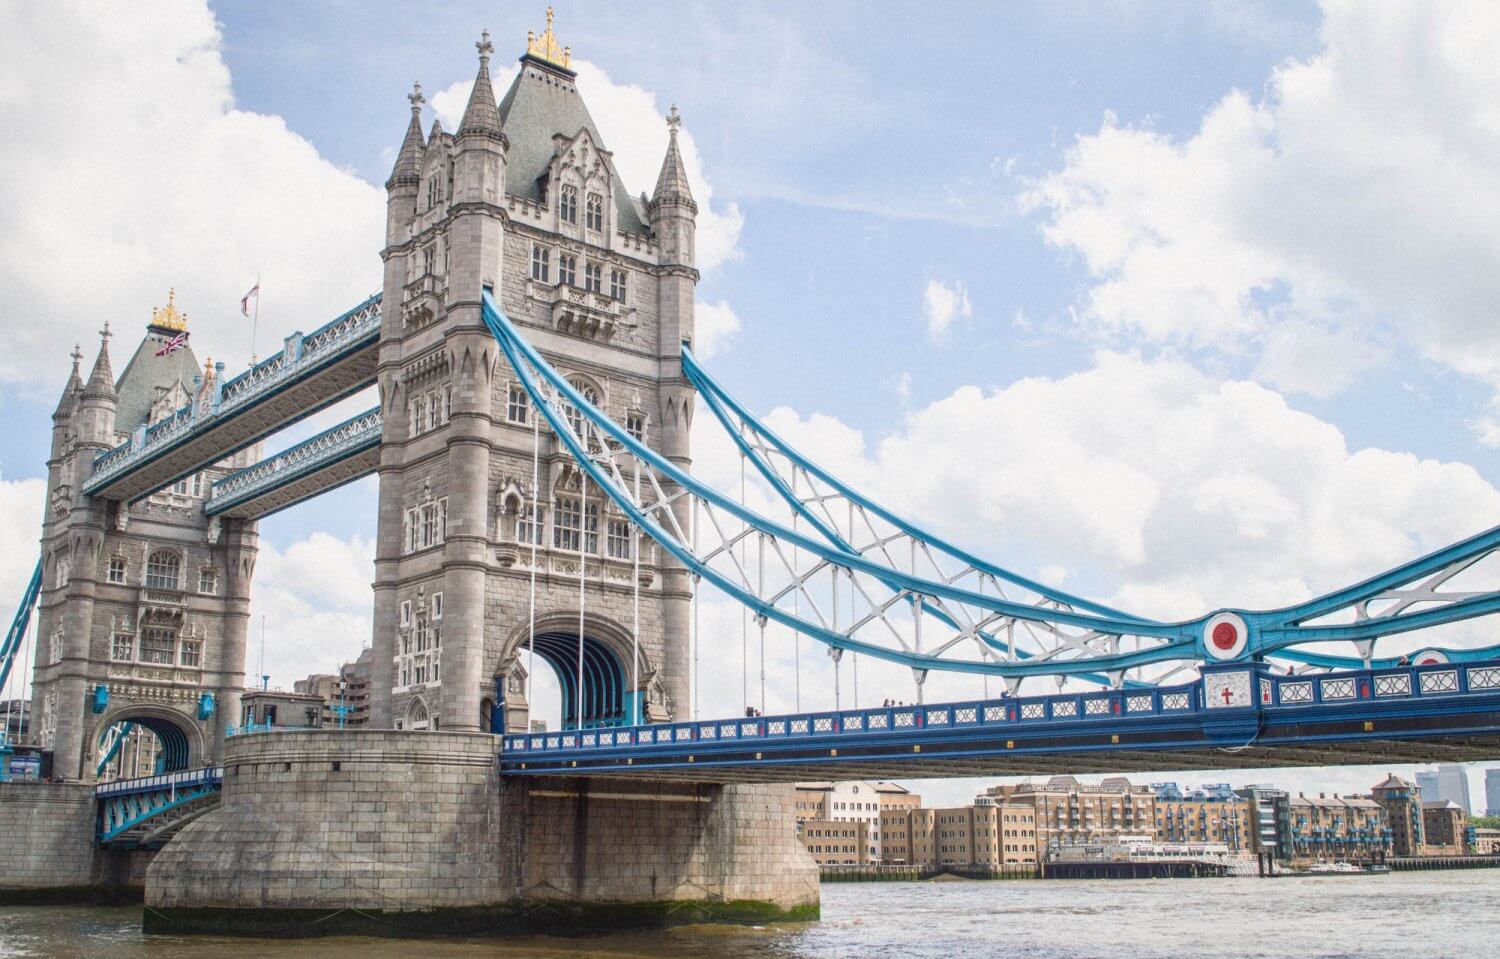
1433, 914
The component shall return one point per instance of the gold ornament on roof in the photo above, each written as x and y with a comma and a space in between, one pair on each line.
167, 317
546, 47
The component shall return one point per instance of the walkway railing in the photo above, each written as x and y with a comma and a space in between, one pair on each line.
354, 435
349, 332
1382, 685
184, 779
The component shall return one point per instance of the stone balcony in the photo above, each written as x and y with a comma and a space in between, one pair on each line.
424, 300
583, 313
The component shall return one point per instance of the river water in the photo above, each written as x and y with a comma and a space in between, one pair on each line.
1435, 914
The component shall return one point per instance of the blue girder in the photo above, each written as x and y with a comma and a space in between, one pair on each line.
18, 624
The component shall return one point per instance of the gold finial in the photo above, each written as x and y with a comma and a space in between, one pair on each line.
168, 317
208, 368
546, 47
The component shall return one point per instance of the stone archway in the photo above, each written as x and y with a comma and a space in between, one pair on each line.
181, 737
605, 671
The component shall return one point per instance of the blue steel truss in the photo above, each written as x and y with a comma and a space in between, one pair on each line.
1082, 638
19, 623
137, 812
350, 332
335, 445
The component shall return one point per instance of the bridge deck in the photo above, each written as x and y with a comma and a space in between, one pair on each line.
336, 456
1444, 713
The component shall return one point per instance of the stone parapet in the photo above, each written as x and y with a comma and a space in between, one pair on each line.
406, 833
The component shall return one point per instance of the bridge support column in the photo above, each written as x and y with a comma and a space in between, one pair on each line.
241, 546
382, 832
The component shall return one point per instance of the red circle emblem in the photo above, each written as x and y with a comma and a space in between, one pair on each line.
1429, 661
1225, 636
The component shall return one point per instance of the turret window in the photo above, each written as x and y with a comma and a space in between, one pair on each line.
617, 283
541, 264
434, 191
567, 270
517, 404
163, 570
593, 277
567, 204
429, 260
191, 653
594, 213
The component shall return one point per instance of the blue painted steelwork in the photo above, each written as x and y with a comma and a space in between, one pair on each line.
110, 741
355, 435
129, 810
1282, 710
350, 332
19, 622
1177, 641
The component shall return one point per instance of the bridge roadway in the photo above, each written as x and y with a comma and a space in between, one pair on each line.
312, 372
1436, 713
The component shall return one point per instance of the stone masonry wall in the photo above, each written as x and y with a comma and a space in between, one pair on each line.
333, 831
49, 830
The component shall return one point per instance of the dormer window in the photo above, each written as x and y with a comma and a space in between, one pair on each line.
594, 213
567, 270
541, 264
567, 204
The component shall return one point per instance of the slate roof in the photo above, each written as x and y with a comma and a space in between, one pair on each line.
147, 376
541, 103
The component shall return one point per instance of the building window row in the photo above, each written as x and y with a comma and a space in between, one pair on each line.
160, 647
567, 272
426, 525
429, 410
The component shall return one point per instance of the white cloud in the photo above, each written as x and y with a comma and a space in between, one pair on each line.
632, 122
316, 600
1359, 194
942, 303
128, 169
715, 325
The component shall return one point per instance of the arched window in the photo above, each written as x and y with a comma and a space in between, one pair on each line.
567, 204
594, 214
574, 414
416, 716
163, 570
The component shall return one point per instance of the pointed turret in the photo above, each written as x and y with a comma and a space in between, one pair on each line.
435, 136
408, 168
101, 384
482, 116
69, 400
672, 182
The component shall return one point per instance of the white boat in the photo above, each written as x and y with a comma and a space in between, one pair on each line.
1325, 868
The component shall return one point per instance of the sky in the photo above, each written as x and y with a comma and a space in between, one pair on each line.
1179, 305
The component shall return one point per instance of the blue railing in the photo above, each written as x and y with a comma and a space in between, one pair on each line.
352, 330
1363, 686
247, 728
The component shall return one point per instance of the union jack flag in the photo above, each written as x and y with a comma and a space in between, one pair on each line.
173, 345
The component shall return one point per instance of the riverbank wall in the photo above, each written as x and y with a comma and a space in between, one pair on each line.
49, 856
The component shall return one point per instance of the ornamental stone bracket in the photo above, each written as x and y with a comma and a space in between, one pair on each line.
162, 607
583, 313
425, 300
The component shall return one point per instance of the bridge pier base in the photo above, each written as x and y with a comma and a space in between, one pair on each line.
412, 833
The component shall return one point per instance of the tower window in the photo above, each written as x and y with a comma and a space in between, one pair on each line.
163, 570
122, 647
635, 425
569, 517
208, 581
434, 191
116, 572
567, 204
192, 652
617, 541
594, 213
541, 264
593, 276
617, 283
158, 646
529, 524
429, 260
517, 404
567, 270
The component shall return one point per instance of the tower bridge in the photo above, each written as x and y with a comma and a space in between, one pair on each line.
531, 357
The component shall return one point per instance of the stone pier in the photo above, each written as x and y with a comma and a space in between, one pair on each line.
414, 833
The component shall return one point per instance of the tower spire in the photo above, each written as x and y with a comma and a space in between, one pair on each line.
408, 166
482, 116
101, 383
75, 384
672, 182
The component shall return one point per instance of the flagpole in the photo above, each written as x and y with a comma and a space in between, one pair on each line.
255, 323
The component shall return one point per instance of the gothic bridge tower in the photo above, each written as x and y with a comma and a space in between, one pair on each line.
524, 198
145, 605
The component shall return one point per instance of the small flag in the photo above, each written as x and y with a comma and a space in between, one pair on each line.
245, 300
173, 345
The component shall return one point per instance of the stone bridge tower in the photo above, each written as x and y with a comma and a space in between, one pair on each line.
145, 605
524, 198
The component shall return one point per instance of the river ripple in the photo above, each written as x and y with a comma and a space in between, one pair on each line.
1439, 914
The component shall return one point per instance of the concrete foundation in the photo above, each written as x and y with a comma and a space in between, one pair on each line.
403, 833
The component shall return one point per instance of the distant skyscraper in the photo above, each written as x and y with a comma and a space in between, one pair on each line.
1492, 792
1447, 782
